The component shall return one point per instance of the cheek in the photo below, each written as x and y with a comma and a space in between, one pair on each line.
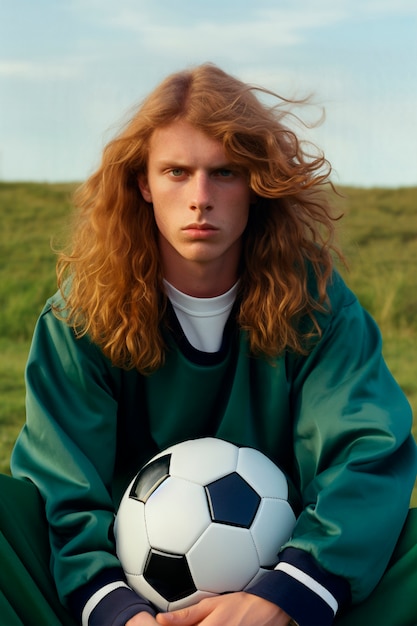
165, 219
242, 211
160, 220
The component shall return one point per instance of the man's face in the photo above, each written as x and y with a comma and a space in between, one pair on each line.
200, 200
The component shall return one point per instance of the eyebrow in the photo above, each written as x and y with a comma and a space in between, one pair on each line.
222, 165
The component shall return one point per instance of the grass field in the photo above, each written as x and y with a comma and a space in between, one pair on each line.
378, 235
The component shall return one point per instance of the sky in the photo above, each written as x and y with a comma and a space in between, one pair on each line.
72, 71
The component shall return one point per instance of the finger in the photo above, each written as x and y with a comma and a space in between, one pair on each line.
189, 616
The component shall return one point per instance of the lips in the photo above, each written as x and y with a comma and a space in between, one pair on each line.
200, 232
203, 226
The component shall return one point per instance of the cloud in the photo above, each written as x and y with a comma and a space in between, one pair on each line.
397, 7
256, 28
37, 70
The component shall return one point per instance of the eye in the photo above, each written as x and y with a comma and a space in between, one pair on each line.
224, 172
176, 172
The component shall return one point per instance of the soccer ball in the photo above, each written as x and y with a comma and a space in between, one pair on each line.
201, 518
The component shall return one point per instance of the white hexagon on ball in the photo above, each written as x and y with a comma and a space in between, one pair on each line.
170, 526
223, 559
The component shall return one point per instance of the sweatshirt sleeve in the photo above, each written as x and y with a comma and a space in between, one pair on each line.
355, 464
356, 458
303, 589
67, 448
107, 599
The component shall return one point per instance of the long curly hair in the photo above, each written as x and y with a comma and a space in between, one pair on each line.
111, 275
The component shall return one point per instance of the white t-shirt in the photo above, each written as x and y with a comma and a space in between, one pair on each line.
202, 319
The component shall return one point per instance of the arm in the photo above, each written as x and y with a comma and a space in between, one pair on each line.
355, 450
356, 466
68, 448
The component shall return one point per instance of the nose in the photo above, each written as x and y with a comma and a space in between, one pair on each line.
201, 193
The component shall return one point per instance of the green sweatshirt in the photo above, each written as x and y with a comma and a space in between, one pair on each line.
335, 421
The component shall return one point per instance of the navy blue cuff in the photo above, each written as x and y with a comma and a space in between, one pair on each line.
305, 606
118, 607
115, 608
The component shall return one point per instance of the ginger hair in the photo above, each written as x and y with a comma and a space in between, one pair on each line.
111, 276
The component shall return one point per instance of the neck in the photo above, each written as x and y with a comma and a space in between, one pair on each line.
201, 280
201, 285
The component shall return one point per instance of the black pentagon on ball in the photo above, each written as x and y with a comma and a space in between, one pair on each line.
232, 501
169, 575
150, 477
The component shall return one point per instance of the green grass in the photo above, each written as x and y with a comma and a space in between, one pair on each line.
12, 394
32, 216
378, 235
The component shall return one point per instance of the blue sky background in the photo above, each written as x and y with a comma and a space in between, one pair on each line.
70, 70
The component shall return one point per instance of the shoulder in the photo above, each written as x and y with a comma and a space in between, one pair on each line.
340, 300
340, 296
56, 303
53, 335
338, 292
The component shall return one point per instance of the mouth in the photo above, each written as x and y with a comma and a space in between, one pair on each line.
202, 227
199, 231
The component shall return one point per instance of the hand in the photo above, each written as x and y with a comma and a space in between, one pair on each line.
142, 619
232, 609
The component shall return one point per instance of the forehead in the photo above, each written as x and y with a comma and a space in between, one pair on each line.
183, 142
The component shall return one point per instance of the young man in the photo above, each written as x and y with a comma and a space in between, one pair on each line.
199, 298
